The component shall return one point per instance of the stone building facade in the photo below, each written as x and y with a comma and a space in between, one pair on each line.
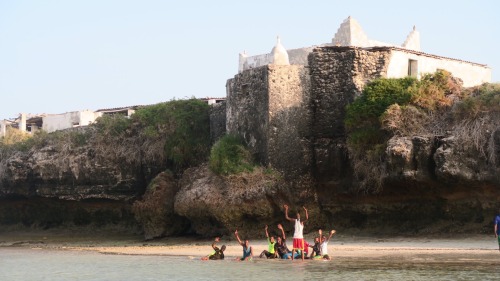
291, 114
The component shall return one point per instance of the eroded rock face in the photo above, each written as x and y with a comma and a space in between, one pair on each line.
219, 205
77, 175
214, 206
457, 165
155, 212
410, 158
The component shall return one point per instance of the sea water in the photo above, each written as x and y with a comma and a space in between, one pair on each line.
43, 264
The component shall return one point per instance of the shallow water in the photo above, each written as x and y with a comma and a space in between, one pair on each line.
33, 264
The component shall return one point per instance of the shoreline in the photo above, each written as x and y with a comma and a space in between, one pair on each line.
478, 249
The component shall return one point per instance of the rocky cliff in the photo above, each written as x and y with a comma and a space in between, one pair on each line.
433, 186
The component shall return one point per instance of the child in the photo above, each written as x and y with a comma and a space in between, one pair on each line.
298, 236
217, 254
316, 249
324, 244
270, 253
247, 249
280, 248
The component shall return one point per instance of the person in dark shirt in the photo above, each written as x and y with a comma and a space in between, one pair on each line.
280, 246
219, 253
316, 248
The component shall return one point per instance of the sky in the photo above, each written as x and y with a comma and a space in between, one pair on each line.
59, 56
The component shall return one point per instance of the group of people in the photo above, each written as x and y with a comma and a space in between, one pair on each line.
277, 247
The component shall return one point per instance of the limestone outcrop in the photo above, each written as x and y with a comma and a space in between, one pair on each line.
155, 212
77, 174
218, 205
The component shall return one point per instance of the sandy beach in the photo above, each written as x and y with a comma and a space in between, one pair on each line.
459, 249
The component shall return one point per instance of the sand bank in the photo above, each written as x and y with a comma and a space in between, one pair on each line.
463, 249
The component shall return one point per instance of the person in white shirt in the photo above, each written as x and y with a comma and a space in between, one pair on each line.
324, 244
298, 235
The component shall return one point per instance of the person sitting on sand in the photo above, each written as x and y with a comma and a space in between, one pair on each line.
280, 247
324, 244
316, 248
217, 254
298, 236
247, 249
270, 253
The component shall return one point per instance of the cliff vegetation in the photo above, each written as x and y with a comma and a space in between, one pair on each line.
434, 107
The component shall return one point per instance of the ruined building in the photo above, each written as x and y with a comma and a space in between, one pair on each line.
289, 105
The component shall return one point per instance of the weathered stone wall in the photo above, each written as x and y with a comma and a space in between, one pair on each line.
338, 75
247, 109
289, 146
270, 108
217, 121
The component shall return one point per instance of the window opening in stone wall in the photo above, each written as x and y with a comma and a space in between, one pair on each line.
244, 89
412, 68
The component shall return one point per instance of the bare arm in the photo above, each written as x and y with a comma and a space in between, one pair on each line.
307, 215
496, 228
331, 234
286, 214
282, 231
238, 237
214, 244
267, 234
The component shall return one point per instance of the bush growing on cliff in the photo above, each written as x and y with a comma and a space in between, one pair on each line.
363, 115
229, 156
476, 119
387, 107
64, 140
175, 134
480, 100
185, 127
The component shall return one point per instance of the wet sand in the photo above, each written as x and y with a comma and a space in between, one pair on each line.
464, 249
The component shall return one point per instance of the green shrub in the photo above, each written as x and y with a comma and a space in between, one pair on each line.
174, 135
363, 115
229, 156
479, 100
185, 126
112, 125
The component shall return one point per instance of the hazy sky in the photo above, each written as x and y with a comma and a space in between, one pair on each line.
68, 55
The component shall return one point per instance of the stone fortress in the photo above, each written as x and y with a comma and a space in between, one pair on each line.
289, 105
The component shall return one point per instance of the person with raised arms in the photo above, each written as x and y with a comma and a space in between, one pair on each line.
324, 244
298, 234
247, 249
217, 254
280, 246
270, 253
